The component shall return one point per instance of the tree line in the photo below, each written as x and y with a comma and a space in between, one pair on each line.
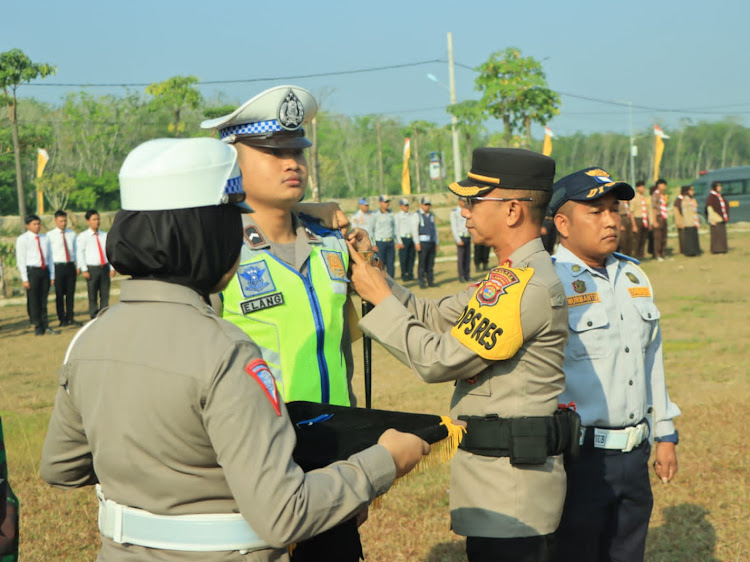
87, 138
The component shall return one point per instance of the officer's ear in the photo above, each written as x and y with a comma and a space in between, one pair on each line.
562, 224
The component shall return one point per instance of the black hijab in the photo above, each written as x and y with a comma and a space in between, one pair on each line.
192, 247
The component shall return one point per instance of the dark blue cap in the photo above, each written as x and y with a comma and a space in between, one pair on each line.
587, 185
363, 201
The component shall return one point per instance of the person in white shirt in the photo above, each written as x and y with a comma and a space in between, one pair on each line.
362, 218
93, 263
33, 257
63, 243
463, 242
406, 232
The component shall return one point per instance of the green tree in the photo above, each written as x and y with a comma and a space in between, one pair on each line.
470, 118
16, 68
177, 94
514, 90
57, 188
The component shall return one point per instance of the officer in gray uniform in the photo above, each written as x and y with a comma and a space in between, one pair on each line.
614, 373
502, 343
171, 411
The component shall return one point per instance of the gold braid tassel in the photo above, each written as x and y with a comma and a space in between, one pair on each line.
440, 453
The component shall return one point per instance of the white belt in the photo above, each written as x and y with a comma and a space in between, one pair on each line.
209, 532
624, 440
424, 238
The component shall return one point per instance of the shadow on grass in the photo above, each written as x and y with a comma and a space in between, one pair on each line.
685, 535
454, 551
16, 325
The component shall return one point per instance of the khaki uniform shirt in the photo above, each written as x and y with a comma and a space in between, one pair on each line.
156, 405
490, 497
636, 207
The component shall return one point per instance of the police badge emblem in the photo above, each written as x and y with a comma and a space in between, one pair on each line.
579, 286
255, 279
632, 277
291, 112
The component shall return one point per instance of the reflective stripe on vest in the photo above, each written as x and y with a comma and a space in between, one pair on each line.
296, 320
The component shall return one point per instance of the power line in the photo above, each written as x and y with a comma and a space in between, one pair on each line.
250, 80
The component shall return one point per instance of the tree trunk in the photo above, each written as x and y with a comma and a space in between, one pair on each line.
506, 128
527, 125
17, 149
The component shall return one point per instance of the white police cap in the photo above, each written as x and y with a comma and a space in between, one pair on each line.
271, 119
166, 174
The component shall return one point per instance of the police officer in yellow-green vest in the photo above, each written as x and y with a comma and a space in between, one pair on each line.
290, 291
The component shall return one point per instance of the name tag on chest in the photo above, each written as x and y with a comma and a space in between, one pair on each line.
259, 303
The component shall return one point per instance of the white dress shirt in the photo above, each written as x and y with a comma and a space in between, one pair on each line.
458, 225
88, 253
58, 249
27, 254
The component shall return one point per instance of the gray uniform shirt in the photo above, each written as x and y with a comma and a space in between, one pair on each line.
155, 404
490, 497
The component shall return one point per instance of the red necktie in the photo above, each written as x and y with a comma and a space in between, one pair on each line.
644, 212
41, 254
65, 245
99, 247
663, 206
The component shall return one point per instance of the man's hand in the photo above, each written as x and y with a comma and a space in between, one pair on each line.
418, 247
406, 449
52, 282
368, 281
359, 238
112, 272
665, 464
27, 285
86, 274
330, 214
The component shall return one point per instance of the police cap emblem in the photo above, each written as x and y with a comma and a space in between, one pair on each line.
291, 112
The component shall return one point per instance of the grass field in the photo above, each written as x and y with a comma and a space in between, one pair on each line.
701, 516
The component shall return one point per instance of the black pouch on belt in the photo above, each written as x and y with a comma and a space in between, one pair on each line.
528, 440
568, 426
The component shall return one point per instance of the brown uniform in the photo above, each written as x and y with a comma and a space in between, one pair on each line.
489, 496
637, 206
157, 403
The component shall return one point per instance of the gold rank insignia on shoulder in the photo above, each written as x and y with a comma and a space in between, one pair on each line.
490, 328
632, 277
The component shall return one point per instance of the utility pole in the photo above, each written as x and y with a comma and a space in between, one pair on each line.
315, 175
632, 146
454, 120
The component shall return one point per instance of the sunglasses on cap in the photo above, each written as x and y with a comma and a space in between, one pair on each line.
471, 201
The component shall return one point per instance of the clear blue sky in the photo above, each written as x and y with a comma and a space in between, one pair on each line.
665, 55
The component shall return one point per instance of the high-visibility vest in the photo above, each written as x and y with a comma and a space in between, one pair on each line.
296, 320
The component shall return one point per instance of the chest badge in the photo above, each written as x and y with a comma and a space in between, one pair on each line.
632, 277
579, 286
255, 279
335, 265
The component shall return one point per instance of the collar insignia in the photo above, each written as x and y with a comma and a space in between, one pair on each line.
576, 268
254, 237
291, 112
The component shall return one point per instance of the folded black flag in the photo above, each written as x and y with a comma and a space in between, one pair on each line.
327, 433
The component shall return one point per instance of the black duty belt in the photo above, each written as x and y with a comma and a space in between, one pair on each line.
527, 441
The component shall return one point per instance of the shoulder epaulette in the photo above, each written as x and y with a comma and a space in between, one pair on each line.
620, 256
315, 226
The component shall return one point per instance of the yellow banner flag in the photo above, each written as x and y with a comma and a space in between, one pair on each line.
547, 146
659, 137
405, 177
41, 161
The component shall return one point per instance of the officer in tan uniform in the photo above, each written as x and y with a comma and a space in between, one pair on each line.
502, 342
171, 411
